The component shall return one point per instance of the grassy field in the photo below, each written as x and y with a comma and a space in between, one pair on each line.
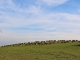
58, 51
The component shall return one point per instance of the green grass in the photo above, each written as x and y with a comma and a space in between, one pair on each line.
58, 51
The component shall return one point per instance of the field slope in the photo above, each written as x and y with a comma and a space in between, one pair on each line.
58, 51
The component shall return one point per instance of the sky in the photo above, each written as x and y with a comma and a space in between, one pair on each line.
37, 20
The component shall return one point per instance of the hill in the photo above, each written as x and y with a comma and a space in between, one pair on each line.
52, 51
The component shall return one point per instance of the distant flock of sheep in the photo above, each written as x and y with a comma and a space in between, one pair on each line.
42, 42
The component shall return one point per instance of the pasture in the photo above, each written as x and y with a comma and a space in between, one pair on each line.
56, 51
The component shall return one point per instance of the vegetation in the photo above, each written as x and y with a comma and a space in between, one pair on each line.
57, 51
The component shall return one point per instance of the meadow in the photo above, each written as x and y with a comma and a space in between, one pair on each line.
57, 51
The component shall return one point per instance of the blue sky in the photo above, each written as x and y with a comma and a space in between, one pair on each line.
31, 20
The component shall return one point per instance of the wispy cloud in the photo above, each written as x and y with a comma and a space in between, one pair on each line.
53, 2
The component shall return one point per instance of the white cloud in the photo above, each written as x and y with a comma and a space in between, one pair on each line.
4, 4
33, 10
54, 2
72, 17
51, 21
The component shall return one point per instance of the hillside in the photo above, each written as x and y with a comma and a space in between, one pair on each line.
52, 51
